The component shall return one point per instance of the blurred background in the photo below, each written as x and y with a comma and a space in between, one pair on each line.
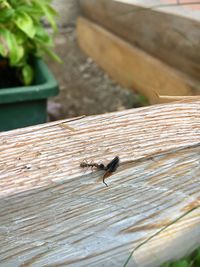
85, 88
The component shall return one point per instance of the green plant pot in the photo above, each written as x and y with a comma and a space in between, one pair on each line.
27, 105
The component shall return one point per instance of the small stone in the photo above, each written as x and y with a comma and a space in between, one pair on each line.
89, 60
86, 75
82, 68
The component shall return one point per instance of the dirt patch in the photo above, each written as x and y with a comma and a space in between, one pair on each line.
9, 77
84, 87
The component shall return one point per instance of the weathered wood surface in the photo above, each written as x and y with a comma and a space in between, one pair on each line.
53, 213
169, 34
130, 66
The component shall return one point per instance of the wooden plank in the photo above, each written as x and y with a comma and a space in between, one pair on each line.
168, 99
130, 66
53, 213
169, 34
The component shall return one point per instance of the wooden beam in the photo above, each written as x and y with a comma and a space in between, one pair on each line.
168, 99
130, 66
169, 34
54, 213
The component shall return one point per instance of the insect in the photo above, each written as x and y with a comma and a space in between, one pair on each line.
109, 168
84, 164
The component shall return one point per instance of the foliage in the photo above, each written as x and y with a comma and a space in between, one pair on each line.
22, 34
192, 260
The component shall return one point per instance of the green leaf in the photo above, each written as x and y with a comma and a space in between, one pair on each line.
181, 263
15, 51
197, 257
49, 12
27, 74
52, 55
3, 45
6, 14
3, 51
22, 34
25, 23
32, 10
21, 38
43, 36
4, 3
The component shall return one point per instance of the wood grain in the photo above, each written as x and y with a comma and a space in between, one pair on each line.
53, 213
130, 66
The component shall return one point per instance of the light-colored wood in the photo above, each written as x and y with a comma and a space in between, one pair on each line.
169, 34
130, 66
53, 213
168, 98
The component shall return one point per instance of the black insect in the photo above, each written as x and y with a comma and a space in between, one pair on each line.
109, 168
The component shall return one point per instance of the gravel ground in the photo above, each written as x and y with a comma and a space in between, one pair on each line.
84, 88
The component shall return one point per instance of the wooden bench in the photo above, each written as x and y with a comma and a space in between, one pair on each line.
54, 213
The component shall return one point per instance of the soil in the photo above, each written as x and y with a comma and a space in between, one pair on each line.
9, 77
85, 89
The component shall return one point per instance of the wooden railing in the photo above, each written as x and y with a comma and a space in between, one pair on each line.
55, 213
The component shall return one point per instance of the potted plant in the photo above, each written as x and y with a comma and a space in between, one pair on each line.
25, 80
